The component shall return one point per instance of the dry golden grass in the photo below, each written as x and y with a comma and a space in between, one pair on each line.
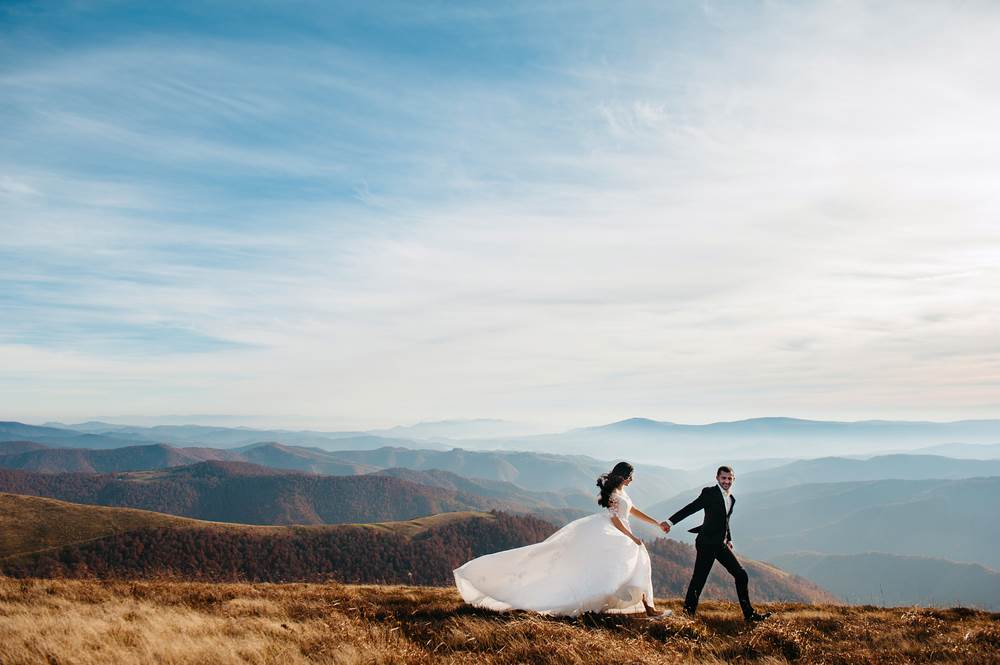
80, 621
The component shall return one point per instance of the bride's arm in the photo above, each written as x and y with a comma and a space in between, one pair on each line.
621, 527
643, 516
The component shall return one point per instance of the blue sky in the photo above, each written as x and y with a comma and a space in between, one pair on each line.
360, 214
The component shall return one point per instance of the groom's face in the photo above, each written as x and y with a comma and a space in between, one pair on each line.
726, 480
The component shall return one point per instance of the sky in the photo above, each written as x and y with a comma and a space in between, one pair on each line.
355, 215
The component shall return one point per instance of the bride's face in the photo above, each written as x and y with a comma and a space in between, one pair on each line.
627, 481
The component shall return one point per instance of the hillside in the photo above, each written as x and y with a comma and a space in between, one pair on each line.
535, 472
250, 494
943, 519
29, 456
484, 487
299, 458
963, 450
72, 540
418, 552
555, 507
940, 519
136, 623
31, 524
882, 467
66, 438
15, 447
886, 579
45, 459
539, 472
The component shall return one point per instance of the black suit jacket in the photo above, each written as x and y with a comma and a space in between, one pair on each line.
715, 527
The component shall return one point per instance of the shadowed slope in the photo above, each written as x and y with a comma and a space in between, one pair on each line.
61, 539
31, 523
249, 494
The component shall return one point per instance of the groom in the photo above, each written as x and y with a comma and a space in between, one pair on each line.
714, 543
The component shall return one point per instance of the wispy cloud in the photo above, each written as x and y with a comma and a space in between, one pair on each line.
563, 215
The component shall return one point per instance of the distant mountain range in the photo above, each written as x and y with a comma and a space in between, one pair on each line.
102, 435
571, 475
43, 537
227, 491
964, 450
687, 446
535, 471
452, 430
250, 494
933, 507
30, 456
491, 488
884, 467
638, 439
946, 519
891, 580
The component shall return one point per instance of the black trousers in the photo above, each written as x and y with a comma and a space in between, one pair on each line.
706, 558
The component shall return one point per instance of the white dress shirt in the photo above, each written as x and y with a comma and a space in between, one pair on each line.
728, 498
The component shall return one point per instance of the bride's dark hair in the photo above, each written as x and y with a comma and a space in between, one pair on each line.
611, 481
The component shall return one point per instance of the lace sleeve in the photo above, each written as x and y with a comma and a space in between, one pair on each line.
614, 505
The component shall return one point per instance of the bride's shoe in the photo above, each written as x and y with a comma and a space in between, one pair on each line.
658, 615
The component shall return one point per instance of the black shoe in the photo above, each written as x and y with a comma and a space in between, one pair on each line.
688, 612
756, 617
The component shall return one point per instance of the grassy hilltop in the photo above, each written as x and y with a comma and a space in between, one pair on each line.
91, 622
42, 537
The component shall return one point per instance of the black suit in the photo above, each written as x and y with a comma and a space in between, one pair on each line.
711, 545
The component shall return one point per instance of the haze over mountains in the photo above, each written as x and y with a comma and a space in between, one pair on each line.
567, 475
681, 445
46, 537
252, 494
795, 504
639, 439
887, 579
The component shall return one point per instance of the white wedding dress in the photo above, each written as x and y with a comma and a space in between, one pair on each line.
586, 566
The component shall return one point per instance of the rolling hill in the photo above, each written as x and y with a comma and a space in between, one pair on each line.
32, 524
557, 508
946, 519
65, 438
73, 540
883, 467
129, 458
247, 493
493, 488
37, 457
539, 472
299, 458
17, 447
891, 580
203, 436
554, 500
564, 474
963, 450
250, 494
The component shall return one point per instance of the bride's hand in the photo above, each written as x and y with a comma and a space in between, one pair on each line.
637, 541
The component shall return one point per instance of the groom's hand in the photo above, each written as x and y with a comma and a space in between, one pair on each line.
665, 526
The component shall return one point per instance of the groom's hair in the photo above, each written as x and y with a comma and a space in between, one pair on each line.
724, 469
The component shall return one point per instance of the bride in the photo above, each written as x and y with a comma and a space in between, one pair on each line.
593, 564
